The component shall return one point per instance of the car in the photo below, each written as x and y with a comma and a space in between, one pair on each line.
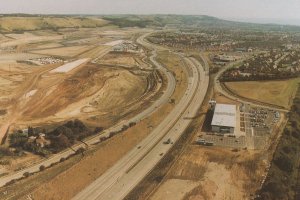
168, 141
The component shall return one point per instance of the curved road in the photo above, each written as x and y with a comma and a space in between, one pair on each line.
120, 179
220, 89
94, 139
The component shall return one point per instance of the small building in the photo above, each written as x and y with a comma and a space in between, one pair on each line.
241, 50
42, 142
224, 118
25, 131
224, 58
242, 108
277, 115
118, 48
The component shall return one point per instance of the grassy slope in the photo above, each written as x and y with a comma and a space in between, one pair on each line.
202, 21
283, 175
274, 92
23, 22
8, 24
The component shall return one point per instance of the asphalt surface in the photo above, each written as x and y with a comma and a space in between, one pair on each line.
120, 179
95, 139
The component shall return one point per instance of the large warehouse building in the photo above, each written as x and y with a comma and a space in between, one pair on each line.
224, 119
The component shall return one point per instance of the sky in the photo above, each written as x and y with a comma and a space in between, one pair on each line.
266, 11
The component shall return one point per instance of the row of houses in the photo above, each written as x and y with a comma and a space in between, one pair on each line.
126, 46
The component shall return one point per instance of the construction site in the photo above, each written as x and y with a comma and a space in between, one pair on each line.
51, 80
134, 112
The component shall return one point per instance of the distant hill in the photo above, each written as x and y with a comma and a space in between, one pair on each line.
26, 22
19, 23
202, 21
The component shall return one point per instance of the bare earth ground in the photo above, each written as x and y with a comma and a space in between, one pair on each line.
174, 189
63, 51
32, 94
11, 23
275, 92
43, 45
127, 59
87, 91
213, 173
64, 187
99, 95
26, 40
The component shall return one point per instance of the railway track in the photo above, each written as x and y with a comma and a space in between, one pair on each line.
119, 180
95, 139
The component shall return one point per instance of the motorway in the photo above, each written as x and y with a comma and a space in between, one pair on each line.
120, 179
95, 139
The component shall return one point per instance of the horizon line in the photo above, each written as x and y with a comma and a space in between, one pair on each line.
265, 21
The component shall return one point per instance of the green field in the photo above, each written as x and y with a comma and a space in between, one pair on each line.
278, 93
283, 180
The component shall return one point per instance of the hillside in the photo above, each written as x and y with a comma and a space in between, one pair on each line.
283, 180
24, 22
190, 21
29, 23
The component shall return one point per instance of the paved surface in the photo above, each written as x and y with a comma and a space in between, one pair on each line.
120, 179
251, 141
95, 139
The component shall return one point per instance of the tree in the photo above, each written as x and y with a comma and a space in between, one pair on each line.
274, 190
81, 151
98, 129
18, 139
26, 174
30, 131
284, 163
42, 168
59, 143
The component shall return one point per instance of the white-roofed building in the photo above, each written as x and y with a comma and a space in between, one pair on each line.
224, 119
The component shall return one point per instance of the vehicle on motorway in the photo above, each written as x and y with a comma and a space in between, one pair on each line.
168, 141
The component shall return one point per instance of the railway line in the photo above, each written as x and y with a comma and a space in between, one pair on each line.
120, 179
106, 133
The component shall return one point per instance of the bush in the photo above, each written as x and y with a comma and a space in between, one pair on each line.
111, 134
294, 124
42, 168
287, 132
10, 182
4, 162
296, 134
5, 152
131, 124
3, 112
284, 163
287, 149
274, 189
60, 143
98, 129
18, 139
124, 128
102, 139
80, 150
26, 174
282, 182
